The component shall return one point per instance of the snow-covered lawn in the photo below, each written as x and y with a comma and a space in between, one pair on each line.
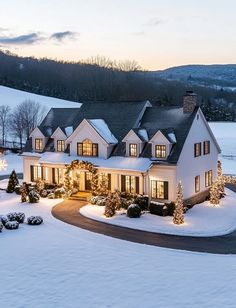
14, 161
58, 265
226, 137
202, 220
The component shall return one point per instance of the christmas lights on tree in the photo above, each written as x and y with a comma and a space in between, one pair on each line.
215, 192
179, 206
220, 179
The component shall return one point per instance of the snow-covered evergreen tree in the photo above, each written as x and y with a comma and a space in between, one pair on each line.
12, 182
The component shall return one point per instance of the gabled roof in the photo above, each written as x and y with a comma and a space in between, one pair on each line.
103, 130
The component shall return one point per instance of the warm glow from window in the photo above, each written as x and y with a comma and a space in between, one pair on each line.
60, 145
130, 184
197, 149
197, 183
160, 151
87, 148
133, 150
206, 146
38, 144
208, 178
157, 189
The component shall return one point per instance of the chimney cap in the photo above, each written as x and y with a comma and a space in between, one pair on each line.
190, 93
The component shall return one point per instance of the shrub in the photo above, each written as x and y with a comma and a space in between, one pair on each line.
34, 220
34, 197
18, 189
134, 211
3, 219
19, 217
110, 206
142, 201
12, 182
156, 208
12, 225
1, 226
51, 196
59, 193
171, 208
44, 193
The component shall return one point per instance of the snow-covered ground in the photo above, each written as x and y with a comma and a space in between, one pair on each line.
13, 161
225, 133
202, 220
59, 265
13, 97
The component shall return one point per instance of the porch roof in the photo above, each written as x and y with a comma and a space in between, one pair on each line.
139, 164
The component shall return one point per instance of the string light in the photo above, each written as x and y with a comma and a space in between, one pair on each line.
3, 164
178, 218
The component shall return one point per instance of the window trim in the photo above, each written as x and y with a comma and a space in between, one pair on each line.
40, 140
197, 184
208, 178
164, 150
206, 142
134, 149
195, 149
62, 145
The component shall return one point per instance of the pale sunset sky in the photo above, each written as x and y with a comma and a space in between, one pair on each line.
156, 33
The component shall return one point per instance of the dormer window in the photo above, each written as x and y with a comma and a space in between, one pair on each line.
87, 148
60, 145
133, 151
160, 151
38, 144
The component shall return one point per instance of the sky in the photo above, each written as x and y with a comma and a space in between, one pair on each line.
155, 33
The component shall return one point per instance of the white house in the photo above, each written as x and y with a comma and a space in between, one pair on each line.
142, 148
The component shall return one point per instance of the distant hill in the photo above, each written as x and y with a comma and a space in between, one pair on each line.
219, 75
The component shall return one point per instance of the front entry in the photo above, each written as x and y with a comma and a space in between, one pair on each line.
88, 178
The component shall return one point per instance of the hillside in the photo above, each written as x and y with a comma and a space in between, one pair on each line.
13, 97
221, 75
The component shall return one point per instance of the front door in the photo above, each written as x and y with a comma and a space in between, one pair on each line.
88, 178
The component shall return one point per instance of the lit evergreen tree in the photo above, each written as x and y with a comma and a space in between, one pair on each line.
179, 206
220, 179
12, 182
215, 193
110, 207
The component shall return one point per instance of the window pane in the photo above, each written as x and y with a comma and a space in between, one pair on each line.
197, 183
157, 189
38, 144
133, 149
160, 151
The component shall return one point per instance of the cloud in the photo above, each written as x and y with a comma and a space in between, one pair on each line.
60, 36
139, 33
154, 22
26, 39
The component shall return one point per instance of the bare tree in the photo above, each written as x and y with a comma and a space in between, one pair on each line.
4, 120
25, 117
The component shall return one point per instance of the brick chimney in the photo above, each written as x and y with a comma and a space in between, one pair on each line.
189, 102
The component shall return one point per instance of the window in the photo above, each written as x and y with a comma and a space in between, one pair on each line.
38, 144
160, 151
36, 173
208, 178
57, 175
197, 183
197, 149
206, 147
133, 150
87, 148
60, 145
159, 190
130, 184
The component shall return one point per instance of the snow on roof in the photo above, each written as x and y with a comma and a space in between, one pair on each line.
143, 133
116, 162
103, 130
68, 130
172, 137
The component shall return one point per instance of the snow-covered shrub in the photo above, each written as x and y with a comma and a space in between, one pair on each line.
51, 196
142, 201
44, 193
34, 197
18, 189
98, 200
20, 217
12, 225
125, 203
134, 211
3, 219
1, 226
34, 220
59, 192
110, 207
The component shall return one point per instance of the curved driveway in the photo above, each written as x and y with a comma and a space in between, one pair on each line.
68, 211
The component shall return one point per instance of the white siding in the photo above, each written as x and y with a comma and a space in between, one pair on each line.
189, 166
27, 162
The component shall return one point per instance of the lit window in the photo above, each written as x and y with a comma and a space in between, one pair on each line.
87, 148
160, 151
159, 190
197, 183
206, 147
133, 150
36, 173
208, 178
130, 184
197, 149
38, 144
60, 145
57, 175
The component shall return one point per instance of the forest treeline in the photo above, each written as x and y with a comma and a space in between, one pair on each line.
100, 79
